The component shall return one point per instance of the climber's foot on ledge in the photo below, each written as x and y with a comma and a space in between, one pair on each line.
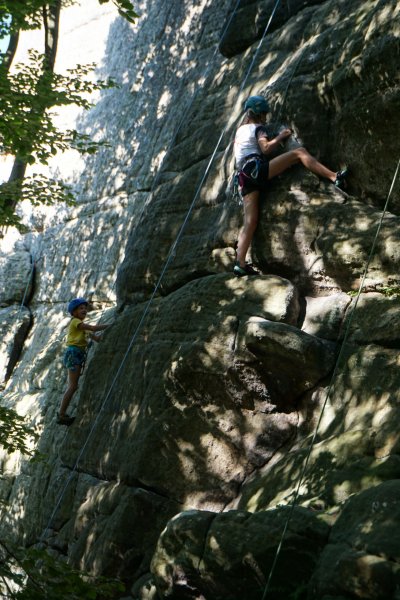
65, 420
248, 269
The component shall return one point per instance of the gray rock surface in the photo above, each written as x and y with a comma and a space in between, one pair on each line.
322, 244
324, 315
307, 359
14, 325
362, 557
375, 319
15, 276
229, 556
201, 374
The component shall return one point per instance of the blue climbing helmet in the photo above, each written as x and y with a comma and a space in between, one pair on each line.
75, 303
257, 104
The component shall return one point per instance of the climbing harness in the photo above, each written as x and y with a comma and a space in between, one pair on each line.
256, 162
329, 391
255, 173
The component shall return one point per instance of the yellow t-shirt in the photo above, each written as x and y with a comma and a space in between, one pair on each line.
75, 336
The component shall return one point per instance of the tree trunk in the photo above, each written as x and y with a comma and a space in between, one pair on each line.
51, 19
10, 52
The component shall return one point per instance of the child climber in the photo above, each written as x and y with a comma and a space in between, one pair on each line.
252, 147
75, 354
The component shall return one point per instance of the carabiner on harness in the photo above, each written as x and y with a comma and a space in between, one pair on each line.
254, 171
235, 189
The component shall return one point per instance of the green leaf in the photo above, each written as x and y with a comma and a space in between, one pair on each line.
28, 94
15, 434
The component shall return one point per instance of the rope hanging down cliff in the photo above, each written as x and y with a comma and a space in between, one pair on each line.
183, 120
329, 391
163, 271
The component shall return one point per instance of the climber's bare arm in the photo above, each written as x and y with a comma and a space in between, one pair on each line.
268, 146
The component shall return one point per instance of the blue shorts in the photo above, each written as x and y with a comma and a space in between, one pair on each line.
74, 357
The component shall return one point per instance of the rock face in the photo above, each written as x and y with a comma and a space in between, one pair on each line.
196, 413
362, 555
204, 555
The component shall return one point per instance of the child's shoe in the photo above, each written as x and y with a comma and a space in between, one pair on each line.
340, 181
65, 420
248, 269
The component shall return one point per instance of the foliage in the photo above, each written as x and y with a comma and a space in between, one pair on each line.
38, 190
390, 291
26, 99
28, 96
8, 218
37, 575
125, 9
34, 574
14, 433
27, 14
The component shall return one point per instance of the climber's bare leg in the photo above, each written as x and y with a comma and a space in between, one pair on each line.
250, 209
283, 162
73, 378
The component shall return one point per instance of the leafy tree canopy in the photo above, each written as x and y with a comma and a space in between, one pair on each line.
18, 15
28, 94
35, 574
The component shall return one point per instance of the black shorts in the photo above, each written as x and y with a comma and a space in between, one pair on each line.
254, 176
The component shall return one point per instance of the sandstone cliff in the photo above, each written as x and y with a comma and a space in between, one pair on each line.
196, 413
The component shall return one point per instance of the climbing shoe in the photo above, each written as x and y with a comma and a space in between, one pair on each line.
248, 269
340, 181
65, 420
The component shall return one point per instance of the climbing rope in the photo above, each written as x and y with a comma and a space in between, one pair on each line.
185, 112
163, 271
183, 120
329, 391
297, 64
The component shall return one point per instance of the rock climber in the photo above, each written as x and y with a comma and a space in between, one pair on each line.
75, 353
252, 147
